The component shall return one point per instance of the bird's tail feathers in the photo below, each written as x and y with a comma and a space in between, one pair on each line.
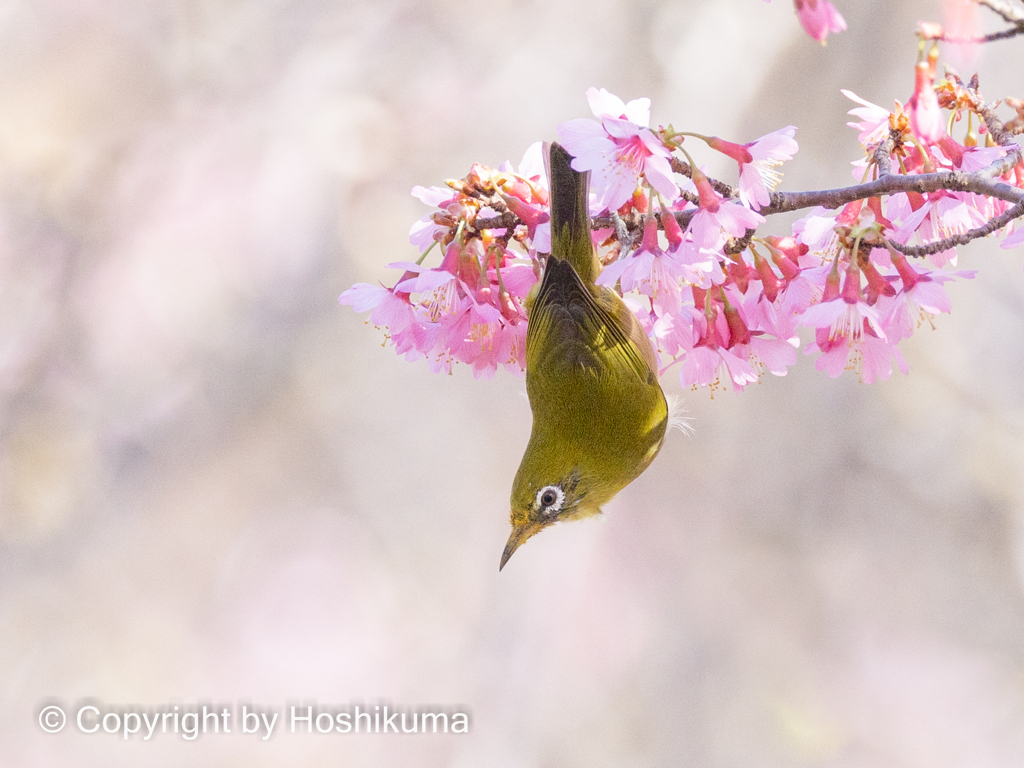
570, 214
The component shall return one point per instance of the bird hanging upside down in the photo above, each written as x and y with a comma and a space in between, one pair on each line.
599, 415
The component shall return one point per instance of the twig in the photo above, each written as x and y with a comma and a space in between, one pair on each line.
979, 182
622, 234
989, 38
682, 167
1008, 13
938, 246
882, 160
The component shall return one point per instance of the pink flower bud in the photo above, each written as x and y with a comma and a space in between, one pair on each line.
639, 200
738, 331
709, 199
877, 285
831, 283
925, 115
769, 280
673, 231
849, 213
699, 297
951, 149
908, 275
650, 240
740, 274
851, 285
786, 253
875, 204
737, 152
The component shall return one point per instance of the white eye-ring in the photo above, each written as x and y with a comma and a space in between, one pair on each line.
550, 499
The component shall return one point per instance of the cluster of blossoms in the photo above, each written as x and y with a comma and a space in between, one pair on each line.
720, 304
468, 309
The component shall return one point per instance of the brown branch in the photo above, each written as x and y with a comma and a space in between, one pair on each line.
739, 245
507, 220
924, 183
998, 131
882, 160
979, 182
963, 239
1006, 11
682, 167
989, 38
983, 182
622, 233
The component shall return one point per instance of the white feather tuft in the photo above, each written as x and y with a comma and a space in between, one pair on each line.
677, 418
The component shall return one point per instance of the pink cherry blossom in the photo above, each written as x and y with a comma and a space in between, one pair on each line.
708, 366
412, 335
843, 314
716, 216
757, 161
758, 178
1016, 237
818, 18
618, 151
748, 339
422, 232
942, 214
604, 104
816, 230
921, 297
870, 357
672, 334
709, 361
472, 335
650, 270
874, 125
456, 312
848, 332
968, 159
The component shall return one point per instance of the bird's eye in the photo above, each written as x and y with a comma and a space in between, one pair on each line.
550, 499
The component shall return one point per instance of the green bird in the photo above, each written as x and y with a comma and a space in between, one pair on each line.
599, 415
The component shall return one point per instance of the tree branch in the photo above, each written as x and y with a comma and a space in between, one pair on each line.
989, 38
1006, 11
682, 167
882, 160
963, 239
981, 182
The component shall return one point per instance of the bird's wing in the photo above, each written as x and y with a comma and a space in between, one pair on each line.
569, 328
611, 302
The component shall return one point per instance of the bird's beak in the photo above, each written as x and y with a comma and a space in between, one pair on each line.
520, 533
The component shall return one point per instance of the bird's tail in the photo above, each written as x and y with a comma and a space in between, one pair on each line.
570, 215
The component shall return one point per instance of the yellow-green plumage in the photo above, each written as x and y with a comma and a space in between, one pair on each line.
599, 415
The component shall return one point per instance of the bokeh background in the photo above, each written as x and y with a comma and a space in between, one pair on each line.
217, 486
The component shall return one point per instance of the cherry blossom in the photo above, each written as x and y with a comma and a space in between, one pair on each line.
719, 302
618, 151
649, 270
818, 18
758, 161
874, 124
716, 217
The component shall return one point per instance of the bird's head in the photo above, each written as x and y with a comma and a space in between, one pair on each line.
544, 494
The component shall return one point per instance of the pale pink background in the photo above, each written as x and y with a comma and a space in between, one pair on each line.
215, 485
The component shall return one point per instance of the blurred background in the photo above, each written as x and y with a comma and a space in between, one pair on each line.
216, 485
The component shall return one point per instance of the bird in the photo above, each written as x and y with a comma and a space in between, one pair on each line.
599, 413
